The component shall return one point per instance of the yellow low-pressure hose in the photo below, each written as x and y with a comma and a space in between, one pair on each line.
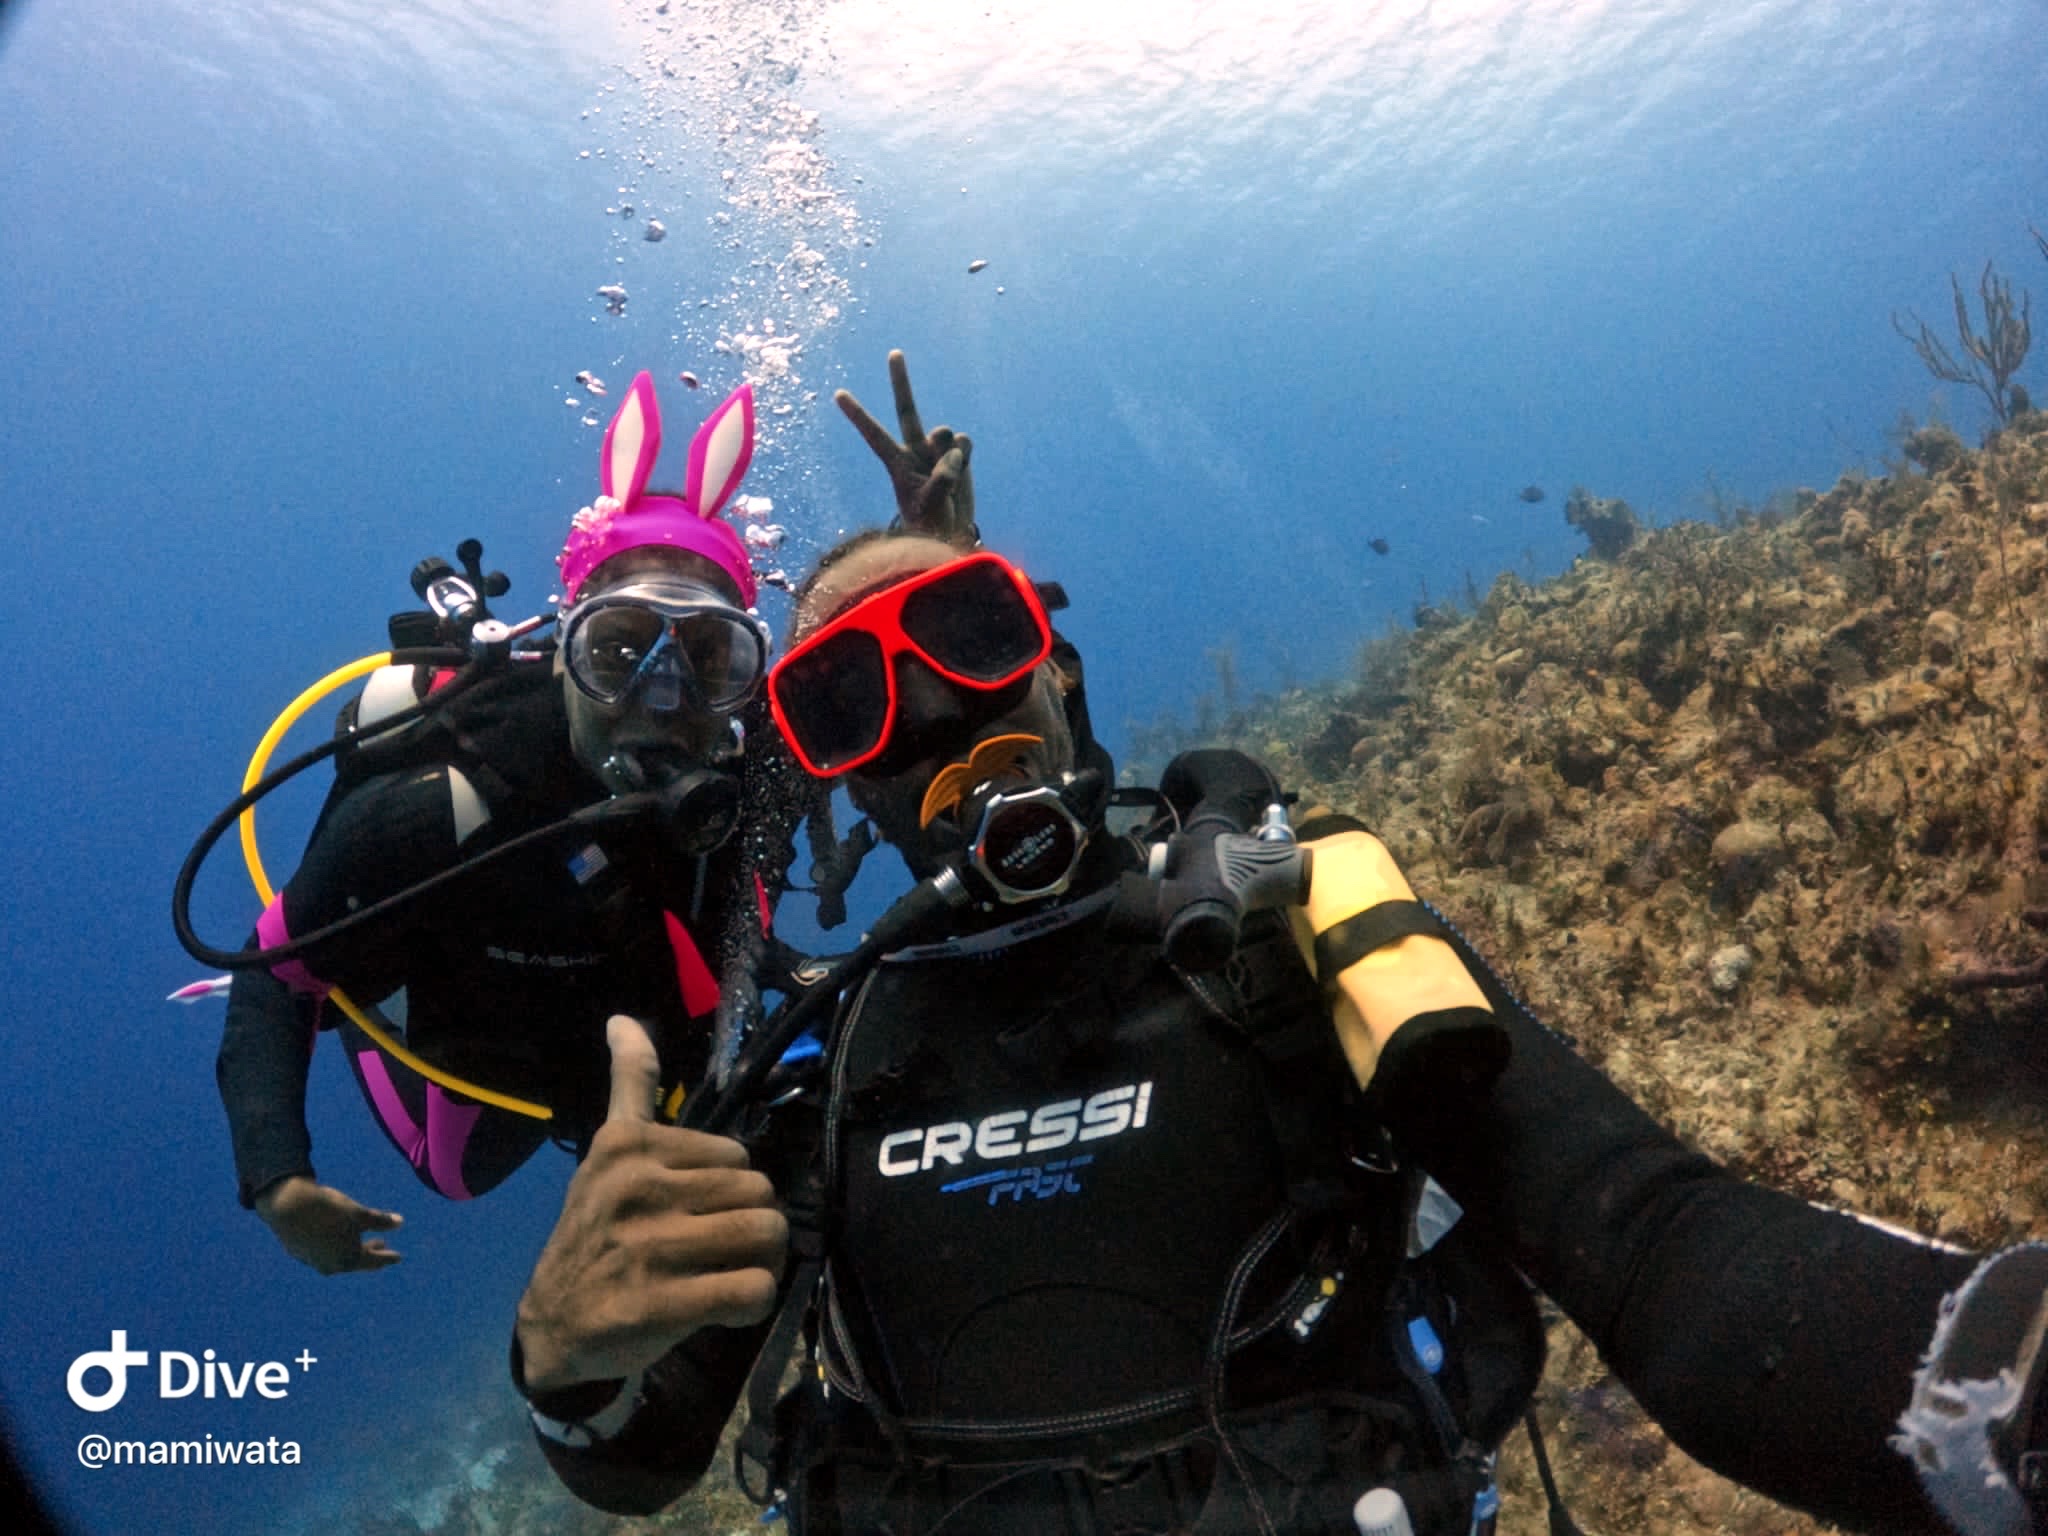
264, 748
361, 1017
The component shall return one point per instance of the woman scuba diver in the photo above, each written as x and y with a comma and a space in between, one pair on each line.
612, 770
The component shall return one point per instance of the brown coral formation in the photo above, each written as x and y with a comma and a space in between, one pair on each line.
1760, 815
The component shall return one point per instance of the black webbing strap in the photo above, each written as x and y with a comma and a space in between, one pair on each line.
1561, 1522
1344, 945
759, 1443
1281, 1014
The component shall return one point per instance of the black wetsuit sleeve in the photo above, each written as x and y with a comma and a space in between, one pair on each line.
1773, 1340
266, 1048
669, 1442
376, 838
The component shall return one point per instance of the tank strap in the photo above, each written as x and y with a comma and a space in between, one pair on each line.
1267, 995
1343, 946
436, 737
760, 1456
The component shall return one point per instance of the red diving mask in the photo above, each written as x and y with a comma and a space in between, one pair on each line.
977, 622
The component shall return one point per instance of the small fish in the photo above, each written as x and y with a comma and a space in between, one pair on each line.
687, 379
655, 233
1477, 518
614, 298
975, 266
765, 536
1532, 493
1377, 546
590, 381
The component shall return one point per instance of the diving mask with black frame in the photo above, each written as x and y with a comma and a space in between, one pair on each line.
664, 644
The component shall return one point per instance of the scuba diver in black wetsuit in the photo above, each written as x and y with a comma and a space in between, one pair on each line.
510, 973
1088, 1228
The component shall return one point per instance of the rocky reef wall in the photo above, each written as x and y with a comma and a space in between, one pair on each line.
1758, 813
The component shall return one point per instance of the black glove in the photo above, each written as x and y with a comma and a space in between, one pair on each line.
1227, 781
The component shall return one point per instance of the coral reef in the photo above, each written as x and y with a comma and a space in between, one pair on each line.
481, 1475
1759, 815
1993, 357
1610, 526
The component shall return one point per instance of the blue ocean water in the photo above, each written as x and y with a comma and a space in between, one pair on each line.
295, 294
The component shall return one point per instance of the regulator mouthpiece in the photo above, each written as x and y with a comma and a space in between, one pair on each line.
700, 806
697, 807
1027, 844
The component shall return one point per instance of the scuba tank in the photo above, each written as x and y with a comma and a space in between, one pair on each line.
468, 648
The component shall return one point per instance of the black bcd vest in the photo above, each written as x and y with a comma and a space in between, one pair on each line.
1111, 1248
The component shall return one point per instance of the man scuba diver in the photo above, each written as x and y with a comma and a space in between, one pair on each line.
509, 975
1088, 1229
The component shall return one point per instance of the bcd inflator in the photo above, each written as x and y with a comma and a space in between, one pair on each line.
1201, 883
1234, 854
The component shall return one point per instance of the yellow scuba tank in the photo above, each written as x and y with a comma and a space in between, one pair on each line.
1382, 961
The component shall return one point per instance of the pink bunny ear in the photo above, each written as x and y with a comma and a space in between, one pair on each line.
631, 442
720, 453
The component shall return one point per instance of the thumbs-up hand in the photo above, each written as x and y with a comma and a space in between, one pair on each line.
663, 1231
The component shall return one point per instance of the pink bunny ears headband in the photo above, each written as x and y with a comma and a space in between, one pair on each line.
625, 517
